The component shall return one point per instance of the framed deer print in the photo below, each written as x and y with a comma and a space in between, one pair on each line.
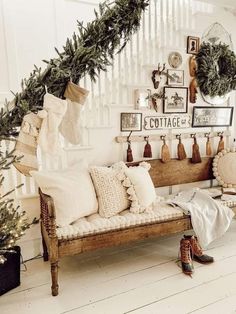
175, 77
175, 100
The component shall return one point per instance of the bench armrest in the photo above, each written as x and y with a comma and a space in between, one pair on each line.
48, 214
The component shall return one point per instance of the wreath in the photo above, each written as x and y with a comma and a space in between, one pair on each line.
216, 69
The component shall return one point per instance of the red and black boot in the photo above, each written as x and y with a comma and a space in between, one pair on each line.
196, 251
185, 256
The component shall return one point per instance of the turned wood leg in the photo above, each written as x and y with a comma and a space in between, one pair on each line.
54, 274
45, 250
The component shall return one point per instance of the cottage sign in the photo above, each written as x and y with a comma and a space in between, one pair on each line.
166, 121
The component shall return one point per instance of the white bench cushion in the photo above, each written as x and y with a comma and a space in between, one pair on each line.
94, 224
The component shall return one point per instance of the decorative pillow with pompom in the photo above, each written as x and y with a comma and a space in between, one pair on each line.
140, 188
224, 168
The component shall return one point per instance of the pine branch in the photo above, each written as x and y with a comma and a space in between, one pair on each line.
88, 52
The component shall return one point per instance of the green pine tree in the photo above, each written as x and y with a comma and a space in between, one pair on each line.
13, 222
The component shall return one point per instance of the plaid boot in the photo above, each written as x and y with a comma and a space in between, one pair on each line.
185, 256
196, 251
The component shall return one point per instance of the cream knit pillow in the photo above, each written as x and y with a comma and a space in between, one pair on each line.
112, 195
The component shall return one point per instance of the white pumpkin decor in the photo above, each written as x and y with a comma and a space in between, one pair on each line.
224, 168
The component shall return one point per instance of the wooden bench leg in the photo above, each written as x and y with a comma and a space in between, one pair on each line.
54, 274
45, 250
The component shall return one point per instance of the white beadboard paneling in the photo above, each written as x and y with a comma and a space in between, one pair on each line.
4, 77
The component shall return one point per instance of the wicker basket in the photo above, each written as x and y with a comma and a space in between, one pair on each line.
10, 271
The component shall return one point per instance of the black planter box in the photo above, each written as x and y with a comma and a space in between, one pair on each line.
10, 271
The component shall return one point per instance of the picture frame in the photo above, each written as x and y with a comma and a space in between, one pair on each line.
175, 100
142, 99
209, 116
130, 121
175, 77
193, 44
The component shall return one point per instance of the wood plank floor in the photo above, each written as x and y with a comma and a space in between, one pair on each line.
140, 278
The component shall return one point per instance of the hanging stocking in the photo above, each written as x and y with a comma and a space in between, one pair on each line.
70, 126
147, 149
26, 144
221, 144
53, 111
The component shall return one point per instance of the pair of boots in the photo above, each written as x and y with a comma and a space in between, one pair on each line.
190, 250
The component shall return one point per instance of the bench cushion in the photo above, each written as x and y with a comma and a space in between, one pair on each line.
96, 224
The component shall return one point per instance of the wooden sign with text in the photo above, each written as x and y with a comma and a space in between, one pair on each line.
167, 121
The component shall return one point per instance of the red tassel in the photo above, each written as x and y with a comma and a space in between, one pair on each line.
129, 157
147, 149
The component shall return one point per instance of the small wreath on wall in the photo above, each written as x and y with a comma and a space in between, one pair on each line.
224, 168
216, 69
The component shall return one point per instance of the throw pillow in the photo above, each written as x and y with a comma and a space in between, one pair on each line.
72, 192
140, 188
224, 168
112, 195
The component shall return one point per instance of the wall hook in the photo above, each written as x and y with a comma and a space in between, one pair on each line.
128, 138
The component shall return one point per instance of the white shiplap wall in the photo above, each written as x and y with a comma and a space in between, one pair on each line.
29, 31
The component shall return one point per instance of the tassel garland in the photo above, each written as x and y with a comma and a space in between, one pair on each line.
165, 153
129, 157
181, 150
196, 158
208, 147
221, 144
147, 149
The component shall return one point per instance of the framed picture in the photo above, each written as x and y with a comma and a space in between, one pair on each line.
175, 77
142, 99
130, 121
212, 116
176, 100
193, 45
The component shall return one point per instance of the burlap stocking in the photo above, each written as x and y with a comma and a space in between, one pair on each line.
26, 144
70, 126
53, 111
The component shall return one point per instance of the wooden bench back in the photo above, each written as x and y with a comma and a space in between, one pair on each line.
177, 172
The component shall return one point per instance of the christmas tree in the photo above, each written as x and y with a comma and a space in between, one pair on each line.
13, 222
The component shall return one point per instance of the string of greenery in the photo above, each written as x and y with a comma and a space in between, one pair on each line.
216, 69
88, 52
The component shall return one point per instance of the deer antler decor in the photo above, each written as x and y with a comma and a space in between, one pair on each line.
156, 75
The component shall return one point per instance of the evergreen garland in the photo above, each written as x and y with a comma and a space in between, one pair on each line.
216, 69
89, 52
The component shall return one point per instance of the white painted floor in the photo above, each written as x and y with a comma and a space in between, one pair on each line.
141, 278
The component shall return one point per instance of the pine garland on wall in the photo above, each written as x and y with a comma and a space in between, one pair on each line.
89, 52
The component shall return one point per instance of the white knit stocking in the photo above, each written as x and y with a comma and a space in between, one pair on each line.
53, 111
70, 126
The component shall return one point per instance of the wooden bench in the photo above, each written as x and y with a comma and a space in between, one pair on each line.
174, 172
